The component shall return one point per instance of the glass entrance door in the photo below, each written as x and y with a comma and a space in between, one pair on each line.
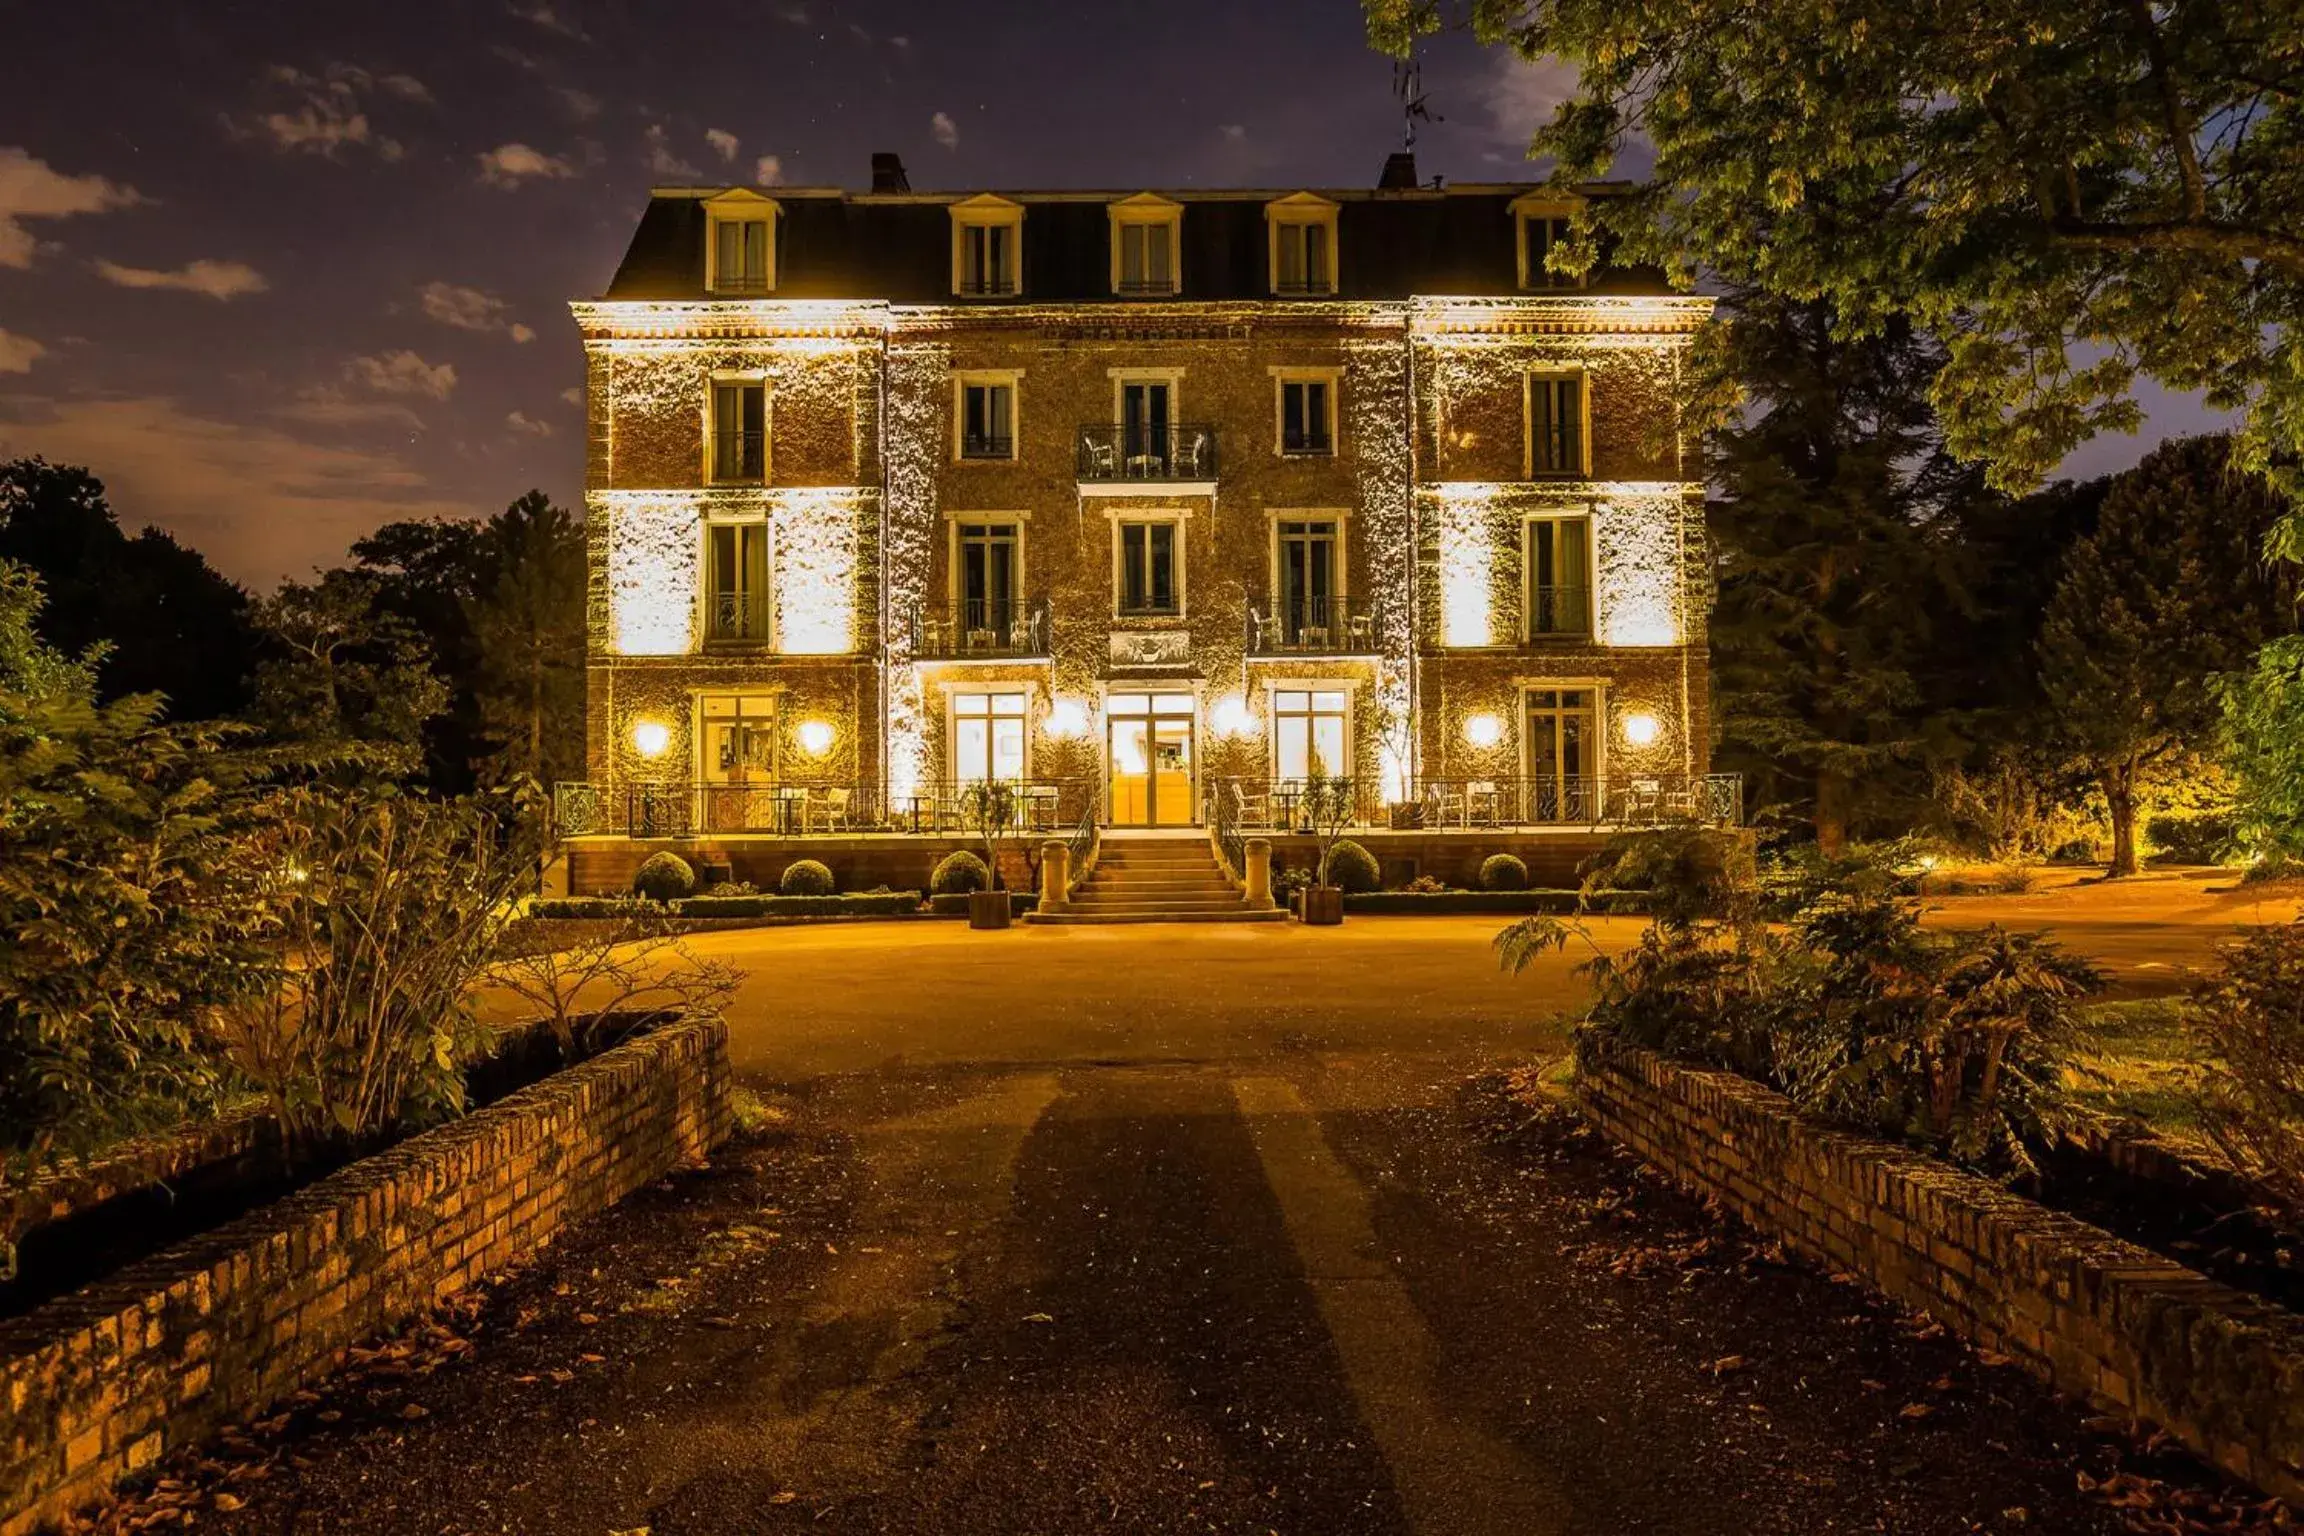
1150, 747
736, 779
1145, 441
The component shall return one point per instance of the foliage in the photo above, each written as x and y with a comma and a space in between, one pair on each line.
805, 877
852, 904
155, 616
1350, 867
2167, 591
992, 810
959, 873
2191, 837
1288, 883
2251, 1017
1503, 872
392, 908
2073, 196
127, 913
2262, 740
632, 967
664, 876
341, 673
1326, 802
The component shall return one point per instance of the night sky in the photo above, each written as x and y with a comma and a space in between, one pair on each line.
279, 272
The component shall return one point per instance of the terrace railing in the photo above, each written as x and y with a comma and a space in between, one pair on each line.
1312, 626
1147, 453
1239, 806
990, 629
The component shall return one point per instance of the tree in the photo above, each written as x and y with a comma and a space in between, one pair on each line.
528, 623
2169, 591
2072, 193
166, 621
2263, 746
342, 673
1830, 479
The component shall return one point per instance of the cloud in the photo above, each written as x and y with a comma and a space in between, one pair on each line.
471, 309
794, 14
258, 501
944, 131
582, 105
661, 160
900, 43
522, 422
1521, 95
402, 373
407, 88
326, 115
19, 353
549, 19
220, 280
30, 189
573, 395
1234, 133
325, 405
768, 171
723, 143
508, 165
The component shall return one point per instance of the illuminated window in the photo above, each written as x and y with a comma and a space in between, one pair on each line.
987, 417
1303, 244
1145, 231
1309, 552
740, 243
739, 430
987, 247
1311, 734
736, 583
738, 744
1563, 751
1556, 424
987, 572
1556, 559
988, 737
1540, 235
1150, 578
1307, 403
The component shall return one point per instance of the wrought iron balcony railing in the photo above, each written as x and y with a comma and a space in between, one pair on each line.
1576, 800
985, 629
1147, 287
997, 286
1312, 626
737, 618
1559, 612
1147, 453
739, 455
982, 446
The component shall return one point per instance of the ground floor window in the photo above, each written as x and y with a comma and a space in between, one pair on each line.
1149, 743
987, 737
1563, 754
738, 738
1311, 734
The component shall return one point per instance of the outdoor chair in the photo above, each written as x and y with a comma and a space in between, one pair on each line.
834, 815
1103, 464
1482, 803
1192, 454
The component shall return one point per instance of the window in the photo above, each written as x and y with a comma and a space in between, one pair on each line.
987, 737
1303, 235
1145, 231
1307, 414
1556, 424
1308, 587
739, 430
1150, 581
986, 574
1540, 235
740, 243
988, 418
1311, 734
1559, 582
1562, 744
738, 743
987, 245
736, 582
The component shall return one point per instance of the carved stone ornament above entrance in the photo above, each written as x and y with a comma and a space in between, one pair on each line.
1151, 648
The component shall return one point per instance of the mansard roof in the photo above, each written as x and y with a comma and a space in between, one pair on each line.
897, 247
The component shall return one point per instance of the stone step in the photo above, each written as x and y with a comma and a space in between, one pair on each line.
1162, 904
1206, 880
1079, 919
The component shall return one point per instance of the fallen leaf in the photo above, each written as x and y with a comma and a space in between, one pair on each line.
1038, 1317
229, 1502
786, 1497
415, 1411
1727, 1363
1914, 1411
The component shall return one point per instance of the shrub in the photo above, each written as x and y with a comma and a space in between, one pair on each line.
1503, 872
1352, 867
805, 877
1425, 885
2250, 1016
1288, 883
664, 877
635, 966
959, 874
2192, 837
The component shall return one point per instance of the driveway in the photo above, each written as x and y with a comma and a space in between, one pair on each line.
1168, 1229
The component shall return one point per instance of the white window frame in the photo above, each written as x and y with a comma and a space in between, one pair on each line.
1282, 377
739, 205
1181, 518
1297, 211
1551, 373
1537, 206
1149, 210
953, 521
1010, 378
1340, 516
699, 732
1274, 687
987, 211
706, 596
1529, 634
1524, 686
952, 694
712, 387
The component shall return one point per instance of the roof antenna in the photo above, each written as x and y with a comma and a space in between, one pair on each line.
1408, 86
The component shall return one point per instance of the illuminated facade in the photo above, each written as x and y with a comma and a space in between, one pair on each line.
1147, 502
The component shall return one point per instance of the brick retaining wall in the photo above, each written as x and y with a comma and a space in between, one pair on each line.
100, 1383
2101, 1318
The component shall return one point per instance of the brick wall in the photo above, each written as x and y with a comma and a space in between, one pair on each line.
2103, 1319
99, 1384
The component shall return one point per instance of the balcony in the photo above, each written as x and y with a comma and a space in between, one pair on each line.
979, 445
1312, 626
737, 618
810, 808
1581, 801
739, 457
1146, 455
1559, 613
981, 629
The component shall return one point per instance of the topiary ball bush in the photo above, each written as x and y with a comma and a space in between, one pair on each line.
1352, 867
805, 877
959, 873
664, 877
1503, 872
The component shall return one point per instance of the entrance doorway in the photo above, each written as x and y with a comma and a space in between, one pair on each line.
1150, 750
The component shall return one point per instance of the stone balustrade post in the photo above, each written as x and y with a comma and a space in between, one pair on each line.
1055, 875
1257, 877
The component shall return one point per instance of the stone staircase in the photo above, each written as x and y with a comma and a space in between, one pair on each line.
1156, 880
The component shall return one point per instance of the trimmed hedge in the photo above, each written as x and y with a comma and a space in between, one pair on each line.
955, 903
1503, 872
806, 877
959, 874
664, 877
1353, 867
860, 904
1468, 903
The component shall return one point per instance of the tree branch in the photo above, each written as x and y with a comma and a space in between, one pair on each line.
2177, 121
2237, 241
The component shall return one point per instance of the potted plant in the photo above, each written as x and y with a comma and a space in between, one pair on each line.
1326, 807
991, 810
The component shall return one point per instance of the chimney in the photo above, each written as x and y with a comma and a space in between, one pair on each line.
888, 173
1399, 172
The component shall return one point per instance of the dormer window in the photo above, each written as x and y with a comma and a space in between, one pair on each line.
740, 243
1303, 245
987, 248
1145, 258
1545, 226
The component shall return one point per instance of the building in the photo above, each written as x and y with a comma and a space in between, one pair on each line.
1153, 503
